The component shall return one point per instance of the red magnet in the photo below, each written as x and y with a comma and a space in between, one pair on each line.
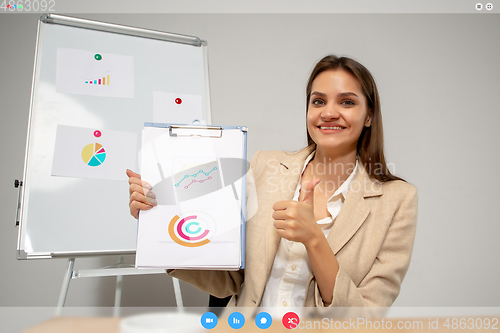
178, 100
97, 133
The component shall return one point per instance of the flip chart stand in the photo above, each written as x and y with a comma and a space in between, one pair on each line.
118, 270
57, 31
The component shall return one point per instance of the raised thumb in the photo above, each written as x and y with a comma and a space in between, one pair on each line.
308, 196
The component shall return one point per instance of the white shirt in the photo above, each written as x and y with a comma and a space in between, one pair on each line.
291, 268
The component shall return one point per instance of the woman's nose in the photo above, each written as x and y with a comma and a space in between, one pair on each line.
330, 113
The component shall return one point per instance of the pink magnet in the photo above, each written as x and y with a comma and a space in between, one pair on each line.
178, 100
97, 133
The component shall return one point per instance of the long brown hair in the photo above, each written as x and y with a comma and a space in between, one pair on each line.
370, 148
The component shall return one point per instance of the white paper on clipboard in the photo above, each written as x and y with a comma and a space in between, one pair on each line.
198, 177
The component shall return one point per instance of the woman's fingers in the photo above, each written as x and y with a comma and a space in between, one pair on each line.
280, 215
138, 182
141, 190
140, 202
285, 230
135, 178
139, 186
131, 174
283, 233
294, 220
135, 188
136, 206
283, 205
280, 224
150, 194
141, 196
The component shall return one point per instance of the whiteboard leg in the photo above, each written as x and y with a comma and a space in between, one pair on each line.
65, 286
118, 295
118, 291
177, 291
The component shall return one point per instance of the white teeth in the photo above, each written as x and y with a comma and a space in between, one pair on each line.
331, 128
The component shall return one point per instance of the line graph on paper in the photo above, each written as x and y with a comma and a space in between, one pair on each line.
195, 174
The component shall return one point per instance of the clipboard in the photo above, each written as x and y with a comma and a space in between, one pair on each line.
198, 174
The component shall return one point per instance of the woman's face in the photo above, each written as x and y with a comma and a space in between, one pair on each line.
337, 111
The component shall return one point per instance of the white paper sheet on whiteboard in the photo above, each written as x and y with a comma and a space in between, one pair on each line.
93, 153
94, 73
169, 107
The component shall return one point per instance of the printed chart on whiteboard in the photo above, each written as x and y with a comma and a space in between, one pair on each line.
94, 73
92, 153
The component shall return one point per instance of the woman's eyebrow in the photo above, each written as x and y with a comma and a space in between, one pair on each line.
344, 94
318, 93
348, 93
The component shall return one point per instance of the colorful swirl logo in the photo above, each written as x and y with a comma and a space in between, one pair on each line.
191, 230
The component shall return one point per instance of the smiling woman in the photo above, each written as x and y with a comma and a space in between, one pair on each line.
358, 93
338, 233
337, 113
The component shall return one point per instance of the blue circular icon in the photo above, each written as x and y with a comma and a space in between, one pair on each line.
236, 320
263, 320
209, 320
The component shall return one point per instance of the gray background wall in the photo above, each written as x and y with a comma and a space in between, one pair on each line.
438, 80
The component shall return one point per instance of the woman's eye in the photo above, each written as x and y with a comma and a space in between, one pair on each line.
318, 102
348, 102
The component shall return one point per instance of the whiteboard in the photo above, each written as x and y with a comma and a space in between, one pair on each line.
84, 133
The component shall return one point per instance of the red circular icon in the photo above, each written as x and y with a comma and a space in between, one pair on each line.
178, 100
290, 320
97, 133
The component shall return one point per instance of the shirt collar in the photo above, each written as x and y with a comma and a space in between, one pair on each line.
343, 189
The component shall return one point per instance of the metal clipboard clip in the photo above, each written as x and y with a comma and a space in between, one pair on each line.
195, 131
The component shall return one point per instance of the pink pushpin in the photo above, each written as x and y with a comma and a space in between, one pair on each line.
97, 133
178, 100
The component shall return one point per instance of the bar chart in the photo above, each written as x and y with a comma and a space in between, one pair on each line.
102, 80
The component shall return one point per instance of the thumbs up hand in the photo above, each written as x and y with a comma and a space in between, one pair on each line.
294, 220
307, 195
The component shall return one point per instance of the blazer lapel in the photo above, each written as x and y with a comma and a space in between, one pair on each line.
354, 211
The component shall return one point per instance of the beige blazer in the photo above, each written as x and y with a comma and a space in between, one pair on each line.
372, 238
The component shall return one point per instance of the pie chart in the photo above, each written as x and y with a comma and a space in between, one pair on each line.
93, 154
